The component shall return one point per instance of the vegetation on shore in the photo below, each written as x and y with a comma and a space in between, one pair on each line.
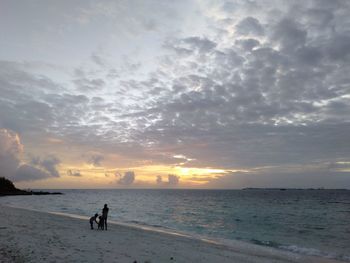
8, 188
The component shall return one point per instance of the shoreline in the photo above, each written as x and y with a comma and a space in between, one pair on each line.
43, 236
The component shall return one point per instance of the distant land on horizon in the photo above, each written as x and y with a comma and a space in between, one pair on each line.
8, 188
285, 189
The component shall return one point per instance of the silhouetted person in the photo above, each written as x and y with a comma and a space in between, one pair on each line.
104, 215
100, 223
92, 219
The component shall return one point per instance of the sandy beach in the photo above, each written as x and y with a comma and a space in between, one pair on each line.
32, 236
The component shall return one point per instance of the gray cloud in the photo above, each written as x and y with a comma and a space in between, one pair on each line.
11, 166
247, 44
96, 159
75, 173
200, 44
274, 91
275, 101
85, 84
10, 148
159, 179
127, 179
48, 163
250, 26
27, 172
173, 180
289, 34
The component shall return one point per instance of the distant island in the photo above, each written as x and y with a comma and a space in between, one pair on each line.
285, 189
8, 188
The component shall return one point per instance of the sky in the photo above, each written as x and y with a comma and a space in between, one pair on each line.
175, 94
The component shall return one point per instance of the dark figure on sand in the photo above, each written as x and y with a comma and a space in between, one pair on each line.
92, 220
100, 223
104, 215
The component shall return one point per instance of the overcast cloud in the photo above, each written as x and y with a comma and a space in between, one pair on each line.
231, 85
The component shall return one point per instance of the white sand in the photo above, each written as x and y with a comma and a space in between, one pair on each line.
31, 236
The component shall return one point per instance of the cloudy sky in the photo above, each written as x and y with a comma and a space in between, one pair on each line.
187, 94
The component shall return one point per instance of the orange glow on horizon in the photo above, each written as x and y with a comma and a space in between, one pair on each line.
145, 176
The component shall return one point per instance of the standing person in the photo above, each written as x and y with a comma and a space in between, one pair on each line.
104, 215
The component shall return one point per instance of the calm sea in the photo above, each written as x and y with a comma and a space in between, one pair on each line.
314, 222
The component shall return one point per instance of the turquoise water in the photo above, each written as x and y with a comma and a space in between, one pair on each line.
314, 222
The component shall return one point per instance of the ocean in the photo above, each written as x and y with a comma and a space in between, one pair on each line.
312, 222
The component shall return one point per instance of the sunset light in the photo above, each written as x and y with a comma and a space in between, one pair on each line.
192, 130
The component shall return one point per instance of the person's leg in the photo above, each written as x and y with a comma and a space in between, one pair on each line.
92, 225
105, 221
